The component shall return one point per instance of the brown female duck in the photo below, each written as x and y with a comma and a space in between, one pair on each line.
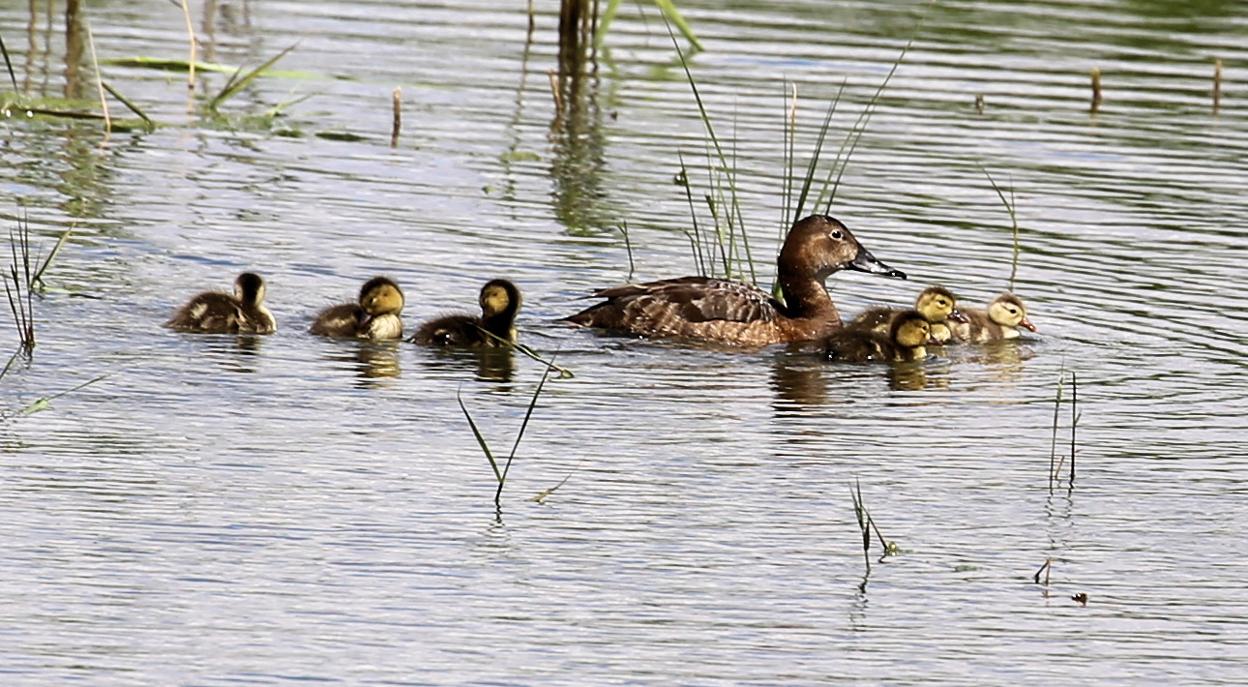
936, 303
222, 313
737, 314
1000, 321
906, 336
375, 316
500, 301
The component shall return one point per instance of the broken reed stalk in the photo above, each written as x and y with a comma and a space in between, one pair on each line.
860, 510
1074, 420
99, 78
683, 180
1096, 89
1057, 405
1048, 565
45, 402
190, 61
128, 103
501, 473
1217, 84
396, 101
1010, 208
628, 246
555, 94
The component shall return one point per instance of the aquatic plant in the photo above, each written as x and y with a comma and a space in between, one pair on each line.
1056, 462
501, 473
1009, 207
866, 524
666, 7
21, 294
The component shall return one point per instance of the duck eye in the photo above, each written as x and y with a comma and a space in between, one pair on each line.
836, 234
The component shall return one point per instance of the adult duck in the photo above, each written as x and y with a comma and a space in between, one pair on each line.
737, 314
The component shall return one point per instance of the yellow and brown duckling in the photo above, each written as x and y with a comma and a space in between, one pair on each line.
904, 341
242, 312
737, 314
375, 316
500, 301
936, 303
1005, 314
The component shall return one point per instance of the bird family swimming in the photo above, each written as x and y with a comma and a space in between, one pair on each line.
737, 314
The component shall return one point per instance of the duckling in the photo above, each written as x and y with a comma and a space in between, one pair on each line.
1000, 321
222, 313
905, 341
936, 303
500, 301
375, 316
738, 314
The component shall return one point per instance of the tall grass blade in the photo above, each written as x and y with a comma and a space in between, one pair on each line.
668, 8
60, 241
628, 246
564, 373
485, 448
502, 480
234, 85
1010, 208
814, 157
8, 64
604, 23
46, 402
1057, 405
128, 103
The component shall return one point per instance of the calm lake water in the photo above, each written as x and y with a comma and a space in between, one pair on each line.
224, 511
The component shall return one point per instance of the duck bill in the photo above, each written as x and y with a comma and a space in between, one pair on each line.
866, 262
1026, 323
959, 316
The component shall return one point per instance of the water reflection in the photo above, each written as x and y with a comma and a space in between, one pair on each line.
374, 362
577, 128
804, 378
487, 364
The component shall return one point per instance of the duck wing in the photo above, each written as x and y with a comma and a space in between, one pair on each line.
667, 305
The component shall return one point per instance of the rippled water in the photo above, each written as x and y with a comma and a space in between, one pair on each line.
221, 510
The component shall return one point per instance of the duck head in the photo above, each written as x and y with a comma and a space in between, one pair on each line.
938, 304
381, 296
499, 296
819, 245
910, 329
249, 289
1008, 310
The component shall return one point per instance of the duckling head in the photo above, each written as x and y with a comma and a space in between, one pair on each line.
381, 296
1008, 310
249, 289
819, 245
910, 329
499, 296
937, 304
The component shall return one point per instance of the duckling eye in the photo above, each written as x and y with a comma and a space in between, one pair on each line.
836, 234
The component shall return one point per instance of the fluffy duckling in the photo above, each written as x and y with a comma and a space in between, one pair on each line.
500, 301
905, 341
214, 312
936, 303
738, 314
375, 316
1000, 321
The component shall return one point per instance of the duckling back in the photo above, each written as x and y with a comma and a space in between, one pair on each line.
858, 346
344, 320
221, 313
451, 330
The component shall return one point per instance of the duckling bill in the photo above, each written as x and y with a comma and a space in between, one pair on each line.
905, 341
213, 312
374, 316
738, 314
499, 300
